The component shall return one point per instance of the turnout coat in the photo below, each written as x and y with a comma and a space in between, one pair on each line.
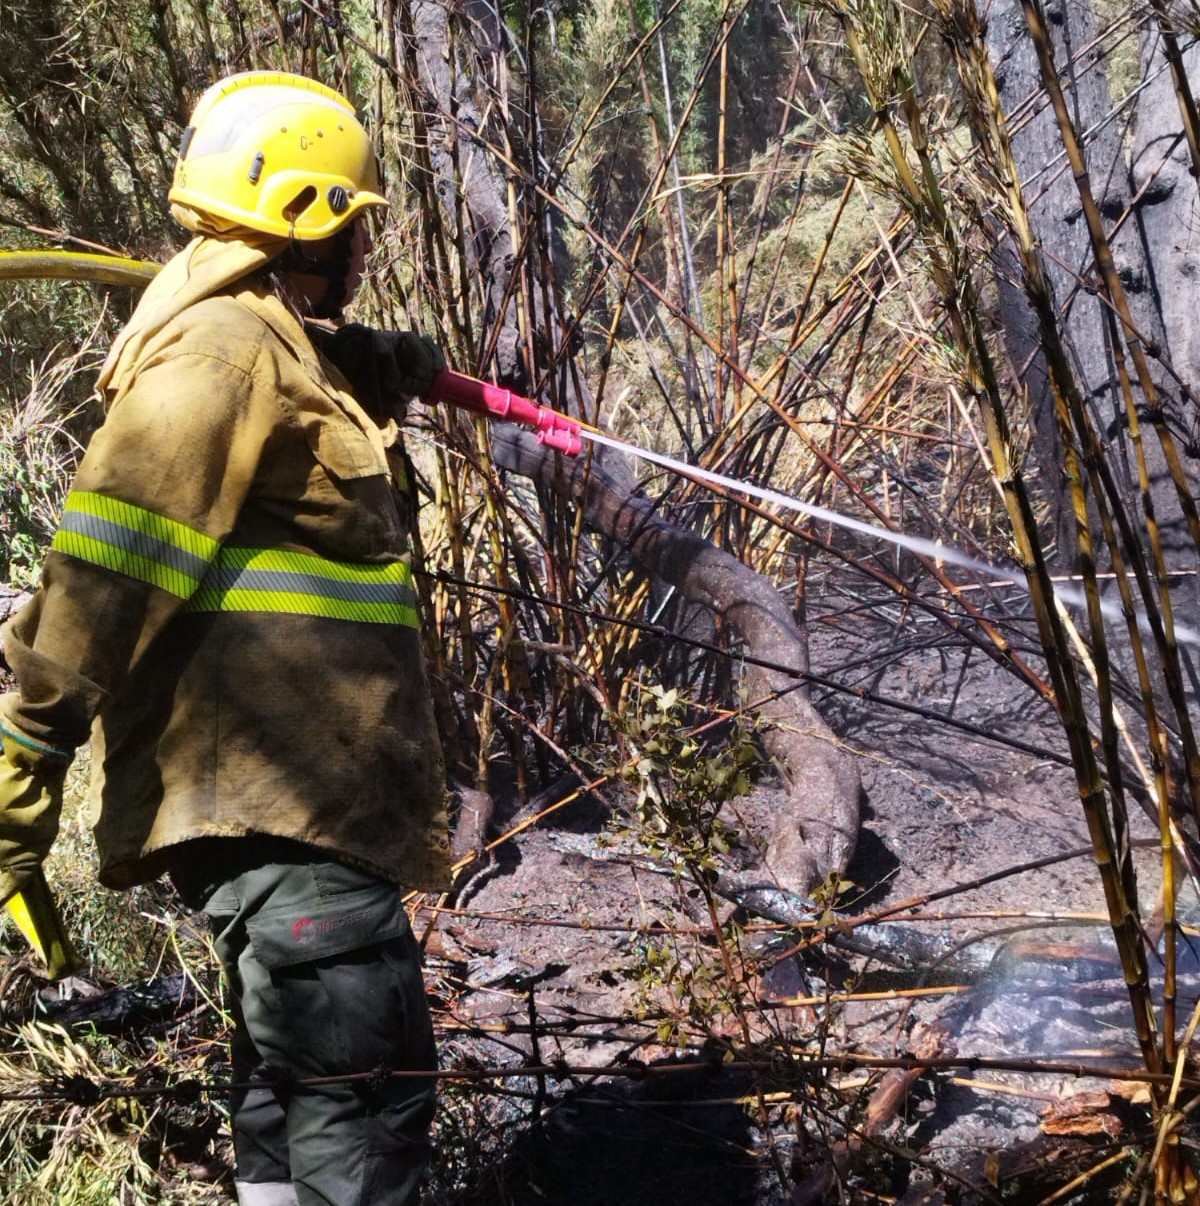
227, 608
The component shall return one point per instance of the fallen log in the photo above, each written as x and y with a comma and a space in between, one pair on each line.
903, 947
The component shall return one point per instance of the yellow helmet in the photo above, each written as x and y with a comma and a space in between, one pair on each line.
276, 153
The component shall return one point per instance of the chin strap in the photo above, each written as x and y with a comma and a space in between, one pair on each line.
335, 269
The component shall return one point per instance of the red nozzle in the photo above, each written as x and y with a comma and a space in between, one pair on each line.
566, 442
553, 429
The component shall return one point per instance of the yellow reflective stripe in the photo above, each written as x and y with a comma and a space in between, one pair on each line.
131, 540
293, 603
274, 580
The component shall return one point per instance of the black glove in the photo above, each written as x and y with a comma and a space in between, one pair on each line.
385, 368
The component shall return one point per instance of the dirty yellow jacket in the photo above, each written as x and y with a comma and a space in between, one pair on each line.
227, 609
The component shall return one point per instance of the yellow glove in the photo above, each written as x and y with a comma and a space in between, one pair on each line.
38, 918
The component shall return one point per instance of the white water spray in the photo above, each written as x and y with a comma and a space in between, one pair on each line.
916, 544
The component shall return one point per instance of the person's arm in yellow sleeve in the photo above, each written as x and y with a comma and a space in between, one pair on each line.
159, 488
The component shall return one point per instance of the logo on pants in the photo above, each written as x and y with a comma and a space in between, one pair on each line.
304, 929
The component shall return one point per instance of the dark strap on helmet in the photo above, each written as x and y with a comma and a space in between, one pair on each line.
335, 269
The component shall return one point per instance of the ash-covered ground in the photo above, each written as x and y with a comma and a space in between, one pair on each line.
569, 946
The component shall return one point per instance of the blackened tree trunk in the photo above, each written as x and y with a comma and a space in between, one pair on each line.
1147, 203
1167, 212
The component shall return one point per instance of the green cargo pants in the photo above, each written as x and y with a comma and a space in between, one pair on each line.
325, 978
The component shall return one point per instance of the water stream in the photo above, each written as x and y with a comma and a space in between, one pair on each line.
1002, 575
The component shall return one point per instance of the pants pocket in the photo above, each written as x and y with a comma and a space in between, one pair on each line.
327, 913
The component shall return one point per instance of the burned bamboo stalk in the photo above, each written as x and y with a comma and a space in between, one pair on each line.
963, 32
889, 85
1181, 84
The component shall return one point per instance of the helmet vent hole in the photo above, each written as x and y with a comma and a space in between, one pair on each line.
299, 203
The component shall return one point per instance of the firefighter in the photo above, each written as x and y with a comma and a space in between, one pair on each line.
227, 612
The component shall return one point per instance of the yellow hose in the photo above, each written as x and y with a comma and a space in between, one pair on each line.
76, 266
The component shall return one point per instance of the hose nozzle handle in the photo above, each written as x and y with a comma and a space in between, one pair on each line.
561, 439
554, 430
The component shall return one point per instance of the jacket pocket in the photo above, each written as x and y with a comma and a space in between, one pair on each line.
344, 451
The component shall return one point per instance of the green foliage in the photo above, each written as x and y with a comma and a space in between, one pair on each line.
117, 1150
75, 1155
90, 107
831, 894
686, 987
681, 783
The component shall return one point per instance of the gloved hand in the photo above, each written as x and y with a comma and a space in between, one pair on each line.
31, 790
385, 368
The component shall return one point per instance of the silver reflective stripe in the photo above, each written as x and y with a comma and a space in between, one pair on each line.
291, 583
266, 1193
226, 578
140, 544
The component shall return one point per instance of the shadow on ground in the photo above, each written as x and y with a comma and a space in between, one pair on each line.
675, 1144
